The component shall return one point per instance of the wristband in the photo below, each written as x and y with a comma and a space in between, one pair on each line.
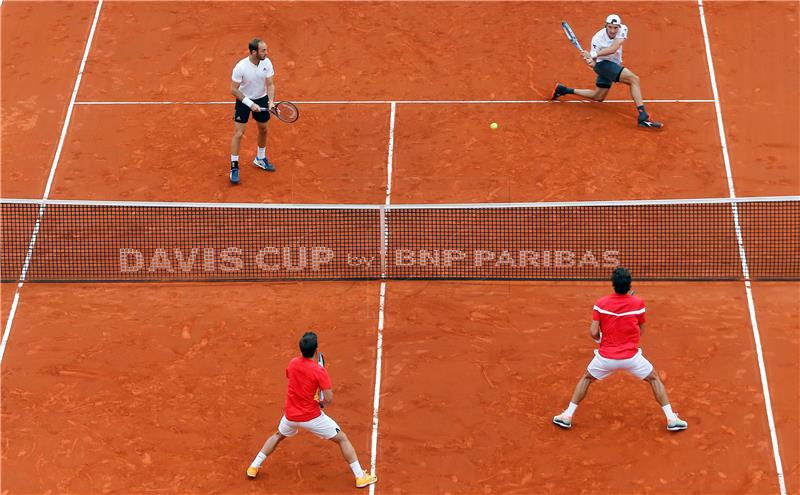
247, 101
593, 54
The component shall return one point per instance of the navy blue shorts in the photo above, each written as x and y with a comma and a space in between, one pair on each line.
242, 113
607, 73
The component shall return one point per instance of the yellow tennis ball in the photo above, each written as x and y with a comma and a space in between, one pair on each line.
493, 125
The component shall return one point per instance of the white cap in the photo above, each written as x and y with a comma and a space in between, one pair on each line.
613, 19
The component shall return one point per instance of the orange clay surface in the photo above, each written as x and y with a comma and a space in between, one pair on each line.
758, 76
34, 102
779, 312
148, 388
485, 424
130, 389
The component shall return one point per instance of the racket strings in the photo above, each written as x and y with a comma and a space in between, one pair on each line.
286, 111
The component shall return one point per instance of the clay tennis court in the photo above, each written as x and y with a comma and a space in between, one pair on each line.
173, 387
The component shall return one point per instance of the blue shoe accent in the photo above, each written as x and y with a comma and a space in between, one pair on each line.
235, 175
264, 164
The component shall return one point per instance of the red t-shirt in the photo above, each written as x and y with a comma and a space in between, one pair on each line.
620, 316
305, 377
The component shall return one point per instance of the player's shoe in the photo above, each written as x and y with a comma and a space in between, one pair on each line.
560, 90
252, 472
264, 164
563, 421
677, 424
235, 175
650, 123
366, 480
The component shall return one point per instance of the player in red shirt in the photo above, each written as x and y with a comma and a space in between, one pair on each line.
303, 411
617, 324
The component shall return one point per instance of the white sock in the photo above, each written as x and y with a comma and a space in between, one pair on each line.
259, 460
234, 158
668, 412
356, 467
262, 153
571, 409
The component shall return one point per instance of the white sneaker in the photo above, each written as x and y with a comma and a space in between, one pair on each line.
677, 424
563, 421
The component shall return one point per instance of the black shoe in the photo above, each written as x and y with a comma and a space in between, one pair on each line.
650, 124
560, 90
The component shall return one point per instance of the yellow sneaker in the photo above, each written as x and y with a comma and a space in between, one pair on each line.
252, 472
366, 480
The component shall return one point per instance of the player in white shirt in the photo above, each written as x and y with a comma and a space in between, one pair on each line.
253, 86
606, 60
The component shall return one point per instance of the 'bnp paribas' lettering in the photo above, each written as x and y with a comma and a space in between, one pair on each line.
520, 258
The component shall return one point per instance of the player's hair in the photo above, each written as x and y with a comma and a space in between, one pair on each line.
253, 45
621, 280
308, 344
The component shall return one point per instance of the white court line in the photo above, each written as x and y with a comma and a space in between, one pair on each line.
400, 206
388, 102
745, 270
376, 400
53, 167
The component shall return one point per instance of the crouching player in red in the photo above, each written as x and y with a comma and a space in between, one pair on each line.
303, 412
617, 324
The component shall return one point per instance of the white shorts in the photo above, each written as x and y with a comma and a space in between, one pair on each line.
322, 426
637, 366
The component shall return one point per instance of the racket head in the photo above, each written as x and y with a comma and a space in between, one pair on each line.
571, 35
568, 31
286, 111
320, 359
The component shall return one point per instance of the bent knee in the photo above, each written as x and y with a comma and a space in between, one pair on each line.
631, 79
652, 377
339, 437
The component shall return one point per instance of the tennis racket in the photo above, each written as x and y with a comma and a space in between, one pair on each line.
286, 111
318, 396
571, 35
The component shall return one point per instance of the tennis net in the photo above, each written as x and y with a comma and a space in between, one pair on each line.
701, 239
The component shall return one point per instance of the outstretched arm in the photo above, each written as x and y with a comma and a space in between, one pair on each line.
608, 51
588, 59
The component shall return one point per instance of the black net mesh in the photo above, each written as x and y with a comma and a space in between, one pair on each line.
74, 241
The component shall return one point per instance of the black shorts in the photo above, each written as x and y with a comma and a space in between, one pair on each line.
607, 73
241, 113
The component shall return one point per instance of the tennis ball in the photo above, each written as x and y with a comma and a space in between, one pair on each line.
493, 125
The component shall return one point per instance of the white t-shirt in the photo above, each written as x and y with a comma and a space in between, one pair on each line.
252, 78
601, 41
